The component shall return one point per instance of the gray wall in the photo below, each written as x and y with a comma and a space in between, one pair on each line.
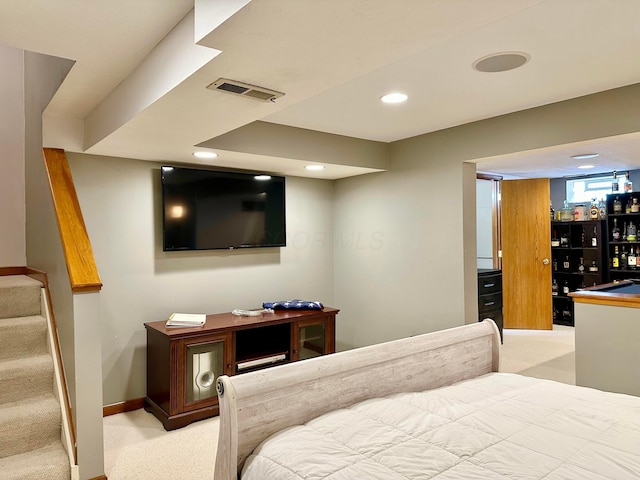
423, 276
405, 275
395, 251
28, 232
43, 76
12, 196
121, 204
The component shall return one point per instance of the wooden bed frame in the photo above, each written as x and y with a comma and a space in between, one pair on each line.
257, 404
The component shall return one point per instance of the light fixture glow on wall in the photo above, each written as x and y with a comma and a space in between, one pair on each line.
177, 211
395, 97
205, 155
262, 177
585, 167
314, 167
585, 156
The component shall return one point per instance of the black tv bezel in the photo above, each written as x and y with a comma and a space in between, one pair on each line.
240, 173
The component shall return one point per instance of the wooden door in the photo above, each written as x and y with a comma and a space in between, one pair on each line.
526, 254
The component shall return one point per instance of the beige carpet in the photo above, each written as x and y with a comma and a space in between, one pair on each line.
546, 354
138, 448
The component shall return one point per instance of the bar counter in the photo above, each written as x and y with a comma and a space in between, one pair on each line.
625, 293
607, 336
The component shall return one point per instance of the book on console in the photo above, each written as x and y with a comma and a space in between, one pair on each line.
186, 320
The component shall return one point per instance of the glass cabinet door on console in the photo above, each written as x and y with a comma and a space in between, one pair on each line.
312, 338
204, 362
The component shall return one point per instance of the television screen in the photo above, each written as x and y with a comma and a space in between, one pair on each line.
208, 209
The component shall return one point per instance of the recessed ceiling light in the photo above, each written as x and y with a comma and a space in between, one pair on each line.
206, 155
314, 167
585, 156
262, 177
394, 98
501, 62
585, 167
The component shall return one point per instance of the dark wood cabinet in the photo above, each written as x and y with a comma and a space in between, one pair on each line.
578, 260
626, 219
490, 296
184, 363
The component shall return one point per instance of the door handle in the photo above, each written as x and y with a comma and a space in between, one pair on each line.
545, 261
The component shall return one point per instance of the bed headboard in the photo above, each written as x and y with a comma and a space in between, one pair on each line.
257, 404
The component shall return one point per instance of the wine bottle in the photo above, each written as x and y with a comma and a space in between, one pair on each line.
627, 183
635, 206
566, 265
564, 240
615, 261
555, 264
614, 183
565, 288
593, 211
554, 240
593, 267
615, 231
617, 205
623, 258
554, 288
632, 260
602, 210
581, 266
594, 238
632, 232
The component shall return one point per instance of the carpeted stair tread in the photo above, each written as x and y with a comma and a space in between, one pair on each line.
30, 417
50, 462
28, 424
23, 337
24, 378
19, 296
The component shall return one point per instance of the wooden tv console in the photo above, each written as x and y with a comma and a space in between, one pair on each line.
184, 363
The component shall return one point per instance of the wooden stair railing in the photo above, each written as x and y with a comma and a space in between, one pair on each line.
81, 264
79, 258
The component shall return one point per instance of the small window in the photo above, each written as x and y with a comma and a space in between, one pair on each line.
583, 190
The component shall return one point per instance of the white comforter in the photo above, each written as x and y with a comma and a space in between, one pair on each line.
499, 426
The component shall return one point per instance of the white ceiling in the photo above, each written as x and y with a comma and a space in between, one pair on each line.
333, 60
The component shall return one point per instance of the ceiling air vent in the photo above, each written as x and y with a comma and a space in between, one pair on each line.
244, 89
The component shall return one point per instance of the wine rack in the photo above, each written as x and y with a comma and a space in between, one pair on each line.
625, 218
579, 260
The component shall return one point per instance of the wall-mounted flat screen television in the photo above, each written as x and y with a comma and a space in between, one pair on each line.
209, 209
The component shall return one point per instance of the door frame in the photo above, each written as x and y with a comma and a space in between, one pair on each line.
496, 217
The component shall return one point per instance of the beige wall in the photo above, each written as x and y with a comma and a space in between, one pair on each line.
12, 196
121, 203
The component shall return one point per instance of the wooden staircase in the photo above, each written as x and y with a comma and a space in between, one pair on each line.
31, 439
